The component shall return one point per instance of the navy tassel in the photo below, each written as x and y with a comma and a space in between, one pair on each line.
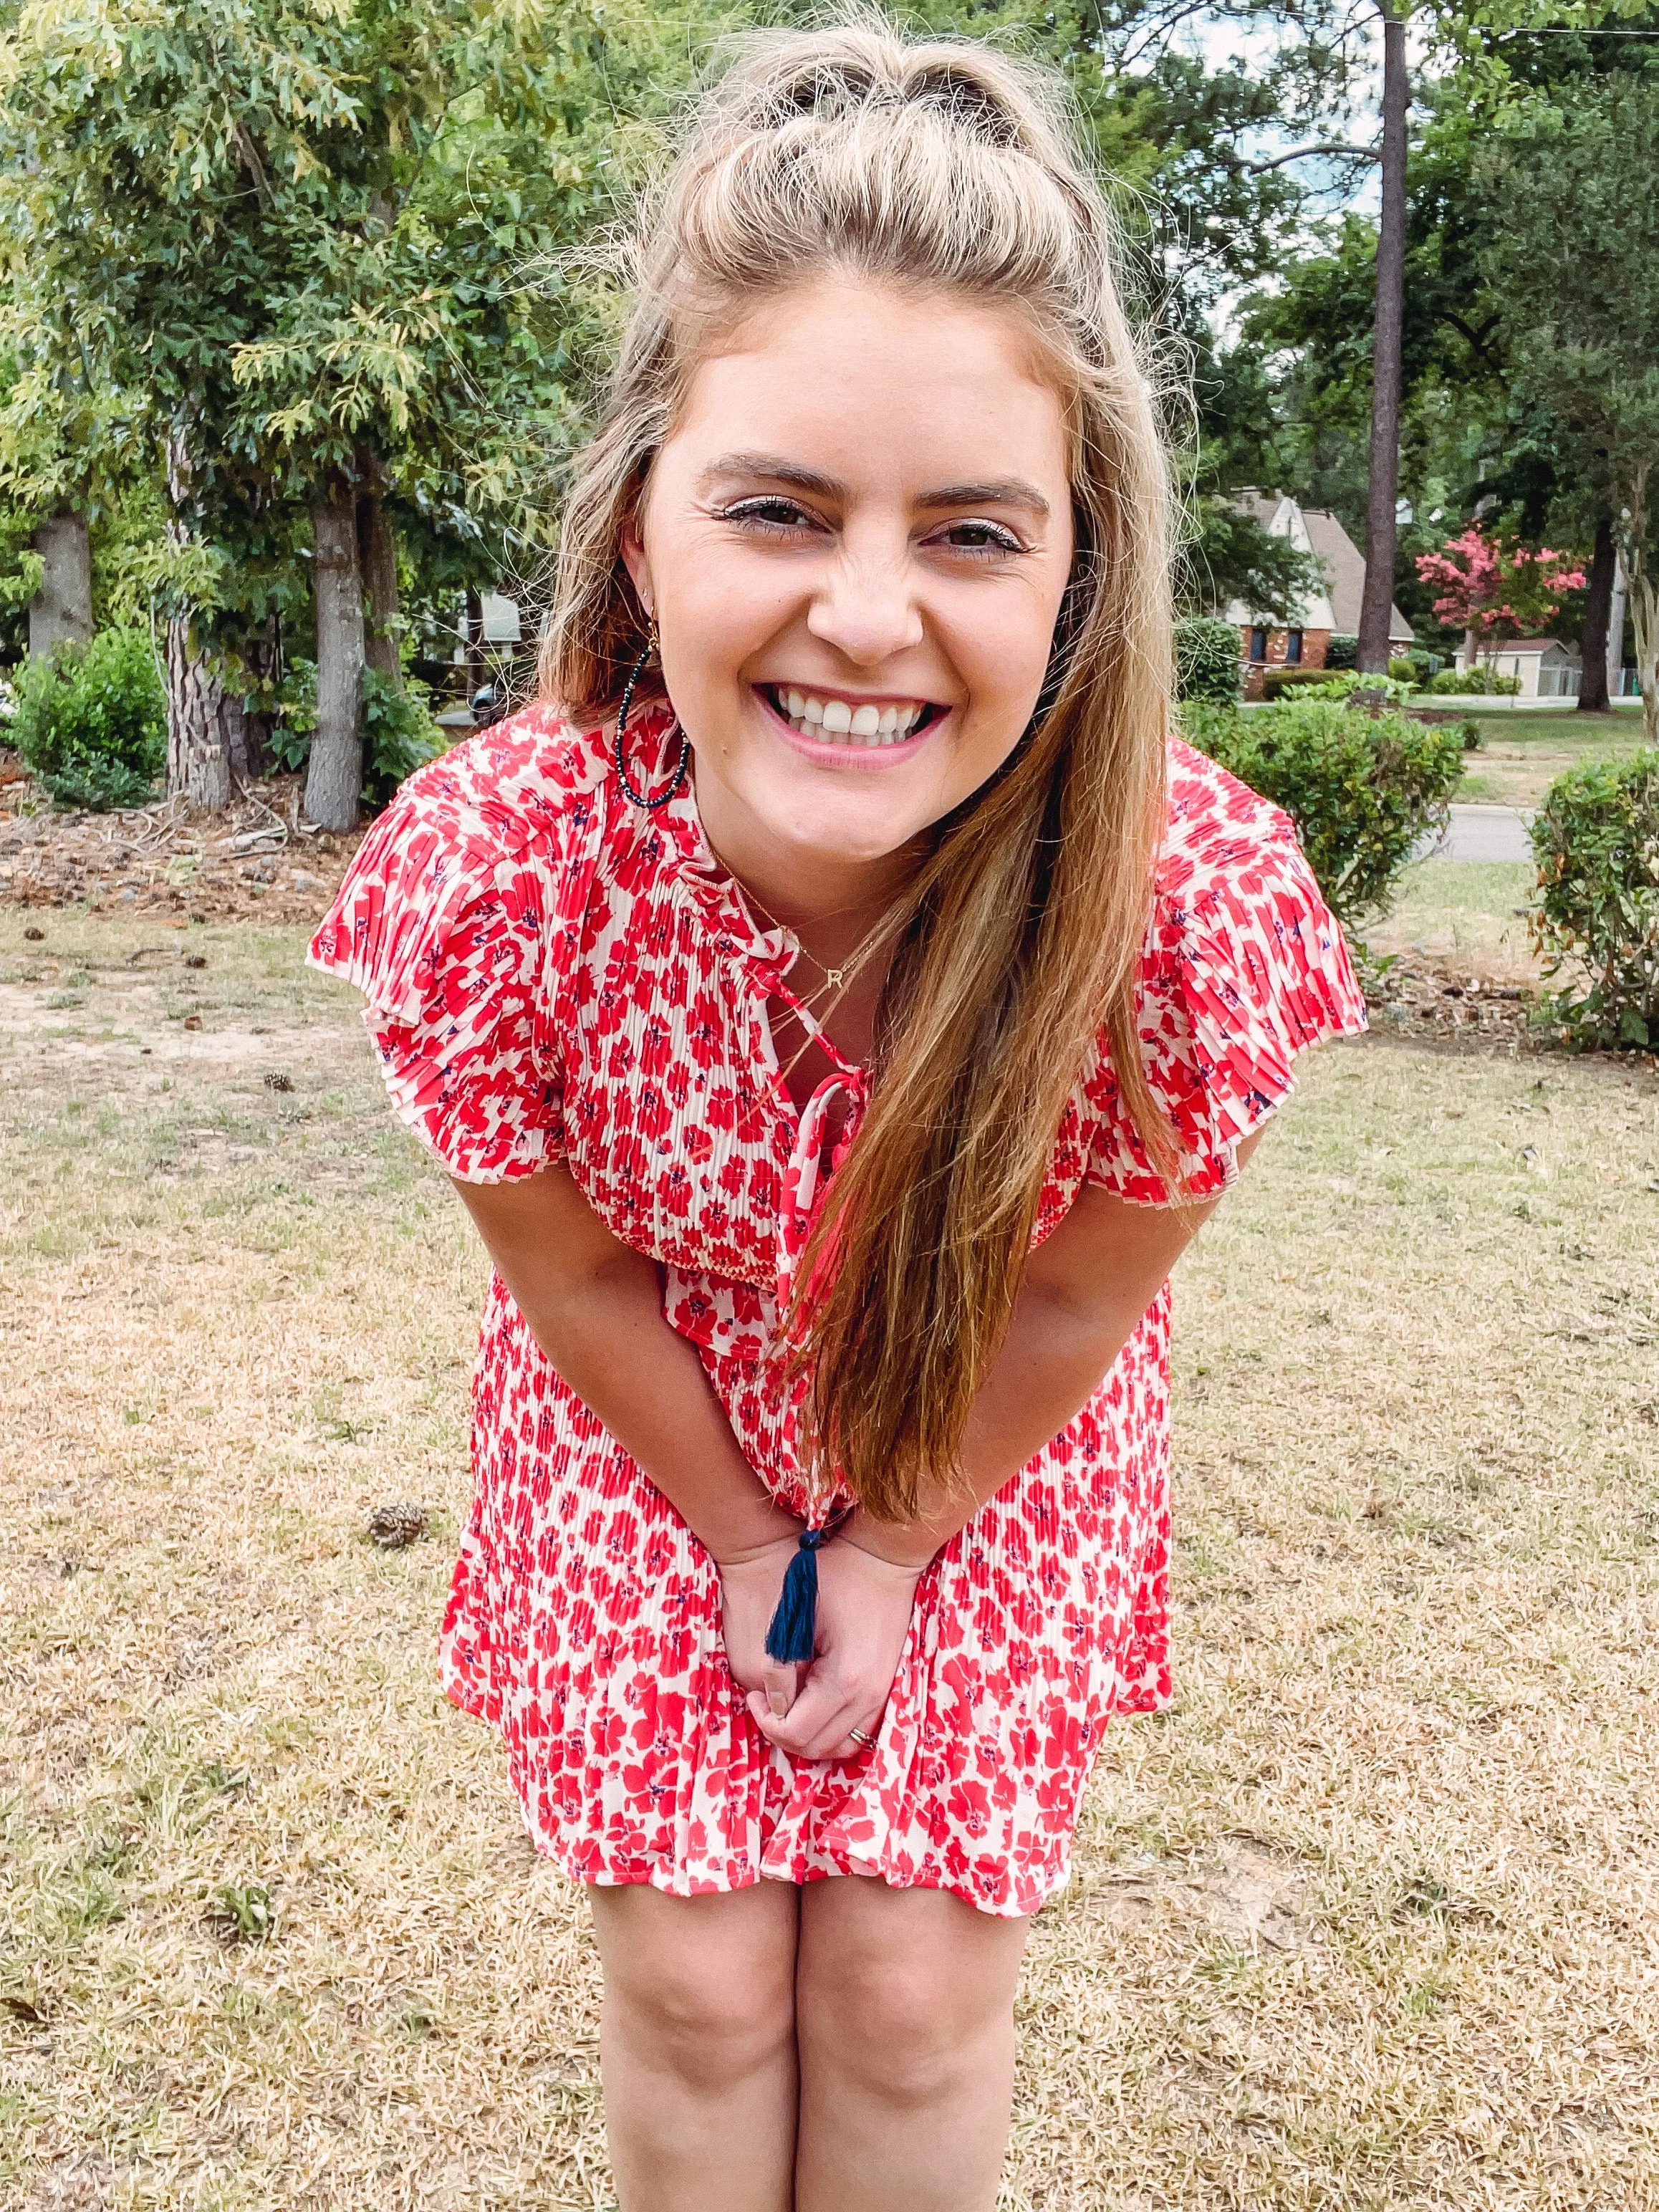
793, 1636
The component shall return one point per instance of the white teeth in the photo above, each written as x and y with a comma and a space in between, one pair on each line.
835, 721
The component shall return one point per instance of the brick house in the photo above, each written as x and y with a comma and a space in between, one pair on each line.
1304, 642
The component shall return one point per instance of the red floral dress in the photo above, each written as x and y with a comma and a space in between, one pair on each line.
553, 974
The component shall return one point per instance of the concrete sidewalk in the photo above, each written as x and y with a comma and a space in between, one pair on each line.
1482, 833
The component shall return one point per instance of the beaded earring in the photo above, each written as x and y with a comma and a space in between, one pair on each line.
674, 782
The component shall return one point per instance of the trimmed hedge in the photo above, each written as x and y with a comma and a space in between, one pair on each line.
1362, 790
1343, 651
1471, 684
1278, 683
92, 721
1596, 842
1209, 661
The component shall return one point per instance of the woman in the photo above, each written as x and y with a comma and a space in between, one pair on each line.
838, 1006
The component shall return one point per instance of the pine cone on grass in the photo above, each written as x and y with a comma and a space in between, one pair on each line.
393, 1526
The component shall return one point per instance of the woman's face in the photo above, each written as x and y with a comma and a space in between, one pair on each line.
855, 543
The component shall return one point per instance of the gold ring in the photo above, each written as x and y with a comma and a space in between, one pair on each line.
860, 1737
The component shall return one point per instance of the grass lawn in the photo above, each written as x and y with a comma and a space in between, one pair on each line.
1522, 751
1368, 1920
1465, 915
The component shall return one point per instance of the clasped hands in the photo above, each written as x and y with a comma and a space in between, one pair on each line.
863, 1617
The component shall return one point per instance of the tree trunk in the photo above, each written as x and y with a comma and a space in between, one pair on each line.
199, 716
1598, 609
377, 556
204, 727
1644, 620
1616, 628
60, 613
475, 647
334, 781
1636, 550
1375, 607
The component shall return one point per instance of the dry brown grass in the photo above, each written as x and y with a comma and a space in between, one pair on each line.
1368, 1920
1522, 751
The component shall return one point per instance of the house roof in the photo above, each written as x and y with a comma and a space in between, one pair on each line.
1345, 567
1313, 531
1532, 644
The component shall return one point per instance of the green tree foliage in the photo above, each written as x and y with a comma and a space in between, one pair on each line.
1576, 265
1471, 440
327, 242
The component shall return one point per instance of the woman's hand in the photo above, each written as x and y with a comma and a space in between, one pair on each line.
751, 1583
864, 1617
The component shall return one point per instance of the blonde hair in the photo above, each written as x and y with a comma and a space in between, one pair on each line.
939, 168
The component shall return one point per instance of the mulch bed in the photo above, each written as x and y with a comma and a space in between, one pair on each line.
260, 862
1424, 1000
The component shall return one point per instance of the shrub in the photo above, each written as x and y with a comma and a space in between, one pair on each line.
1595, 839
1343, 651
1209, 662
1404, 669
1363, 791
1277, 683
399, 734
1473, 683
92, 721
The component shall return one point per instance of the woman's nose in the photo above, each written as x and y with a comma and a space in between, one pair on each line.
866, 607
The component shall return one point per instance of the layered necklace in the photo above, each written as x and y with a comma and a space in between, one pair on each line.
835, 978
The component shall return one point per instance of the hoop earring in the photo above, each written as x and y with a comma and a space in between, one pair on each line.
674, 782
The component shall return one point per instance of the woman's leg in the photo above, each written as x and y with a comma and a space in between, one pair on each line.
904, 2025
697, 2047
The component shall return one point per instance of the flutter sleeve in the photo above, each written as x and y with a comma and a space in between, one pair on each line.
443, 924
1244, 968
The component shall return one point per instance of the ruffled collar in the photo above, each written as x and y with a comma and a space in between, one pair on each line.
738, 927
740, 934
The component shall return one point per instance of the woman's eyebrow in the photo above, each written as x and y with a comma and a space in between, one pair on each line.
772, 468
1001, 491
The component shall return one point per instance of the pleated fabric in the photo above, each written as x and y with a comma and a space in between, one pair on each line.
550, 974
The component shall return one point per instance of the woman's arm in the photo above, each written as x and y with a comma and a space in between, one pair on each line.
594, 1306
1084, 1293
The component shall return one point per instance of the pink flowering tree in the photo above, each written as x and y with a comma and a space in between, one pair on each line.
1490, 590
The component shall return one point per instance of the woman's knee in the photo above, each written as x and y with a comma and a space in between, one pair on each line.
905, 2018
705, 1995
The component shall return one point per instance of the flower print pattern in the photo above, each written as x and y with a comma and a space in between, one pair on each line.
550, 974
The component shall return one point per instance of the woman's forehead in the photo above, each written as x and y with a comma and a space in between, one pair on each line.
837, 380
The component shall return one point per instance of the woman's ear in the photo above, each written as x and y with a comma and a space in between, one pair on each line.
638, 566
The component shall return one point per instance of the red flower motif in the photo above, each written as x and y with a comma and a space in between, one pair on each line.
552, 976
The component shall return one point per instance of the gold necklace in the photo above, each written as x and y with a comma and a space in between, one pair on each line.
834, 979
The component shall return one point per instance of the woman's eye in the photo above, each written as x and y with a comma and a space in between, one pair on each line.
768, 515
984, 538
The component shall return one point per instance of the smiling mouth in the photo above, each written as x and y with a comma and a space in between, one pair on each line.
828, 720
